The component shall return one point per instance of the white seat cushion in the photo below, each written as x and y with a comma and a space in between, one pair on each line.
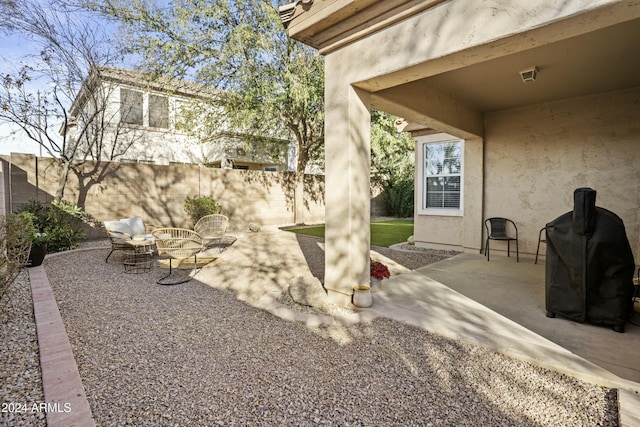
132, 226
135, 224
119, 226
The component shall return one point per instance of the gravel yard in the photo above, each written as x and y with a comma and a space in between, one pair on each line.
20, 375
194, 355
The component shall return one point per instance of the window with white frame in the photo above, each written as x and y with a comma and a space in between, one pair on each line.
442, 177
158, 111
131, 106
134, 104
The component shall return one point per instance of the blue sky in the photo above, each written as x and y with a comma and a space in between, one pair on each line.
12, 49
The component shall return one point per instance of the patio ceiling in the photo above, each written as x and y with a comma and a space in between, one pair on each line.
601, 61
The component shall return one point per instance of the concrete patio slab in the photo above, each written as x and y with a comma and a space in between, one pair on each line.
500, 304
517, 292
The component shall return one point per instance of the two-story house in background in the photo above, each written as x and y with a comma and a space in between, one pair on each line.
160, 121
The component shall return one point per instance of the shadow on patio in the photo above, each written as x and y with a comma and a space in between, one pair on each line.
499, 304
437, 297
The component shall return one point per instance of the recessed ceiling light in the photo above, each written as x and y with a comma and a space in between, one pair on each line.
529, 75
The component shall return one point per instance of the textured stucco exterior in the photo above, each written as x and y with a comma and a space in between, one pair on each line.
538, 155
181, 139
533, 159
453, 232
453, 67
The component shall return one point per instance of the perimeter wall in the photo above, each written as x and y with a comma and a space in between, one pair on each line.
110, 190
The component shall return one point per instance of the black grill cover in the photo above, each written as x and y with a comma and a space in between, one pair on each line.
589, 265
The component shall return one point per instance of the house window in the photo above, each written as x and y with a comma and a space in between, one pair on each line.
131, 106
442, 177
159, 111
182, 115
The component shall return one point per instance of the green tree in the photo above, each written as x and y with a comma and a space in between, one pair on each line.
392, 163
266, 83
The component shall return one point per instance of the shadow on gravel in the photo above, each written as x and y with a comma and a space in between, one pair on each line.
193, 354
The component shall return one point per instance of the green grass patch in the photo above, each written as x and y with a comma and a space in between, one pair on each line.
309, 231
385, 233
390, 232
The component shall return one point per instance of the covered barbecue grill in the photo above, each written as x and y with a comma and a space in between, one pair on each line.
589, 265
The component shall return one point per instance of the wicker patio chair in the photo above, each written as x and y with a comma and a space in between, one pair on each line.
212, 228
121, 232
177, 243
118, 241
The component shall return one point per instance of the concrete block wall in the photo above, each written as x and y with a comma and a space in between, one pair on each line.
110, 190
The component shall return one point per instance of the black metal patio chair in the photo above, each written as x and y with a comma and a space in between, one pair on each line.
496, 228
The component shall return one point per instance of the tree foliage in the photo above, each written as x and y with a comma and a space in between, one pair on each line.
392, 164
38, 94
59, 223
268, 84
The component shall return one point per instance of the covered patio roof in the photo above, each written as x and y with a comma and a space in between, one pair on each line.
576, 55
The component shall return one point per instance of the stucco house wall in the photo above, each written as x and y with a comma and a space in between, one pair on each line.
536, 156
141, 140
151, 144
533, 159
454, 67
458, 232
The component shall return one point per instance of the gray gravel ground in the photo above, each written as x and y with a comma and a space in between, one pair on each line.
20, 374
194, 355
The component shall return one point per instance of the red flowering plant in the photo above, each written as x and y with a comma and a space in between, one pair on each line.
379, 270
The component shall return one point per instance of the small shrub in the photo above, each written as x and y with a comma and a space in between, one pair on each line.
399, 198
59, 224
37, 237
69, 210
37, 212
198, 206
63, 228
16, 233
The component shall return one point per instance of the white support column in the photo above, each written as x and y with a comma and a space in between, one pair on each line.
347, 198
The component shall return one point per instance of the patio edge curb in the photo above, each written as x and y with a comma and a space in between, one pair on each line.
66, 400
